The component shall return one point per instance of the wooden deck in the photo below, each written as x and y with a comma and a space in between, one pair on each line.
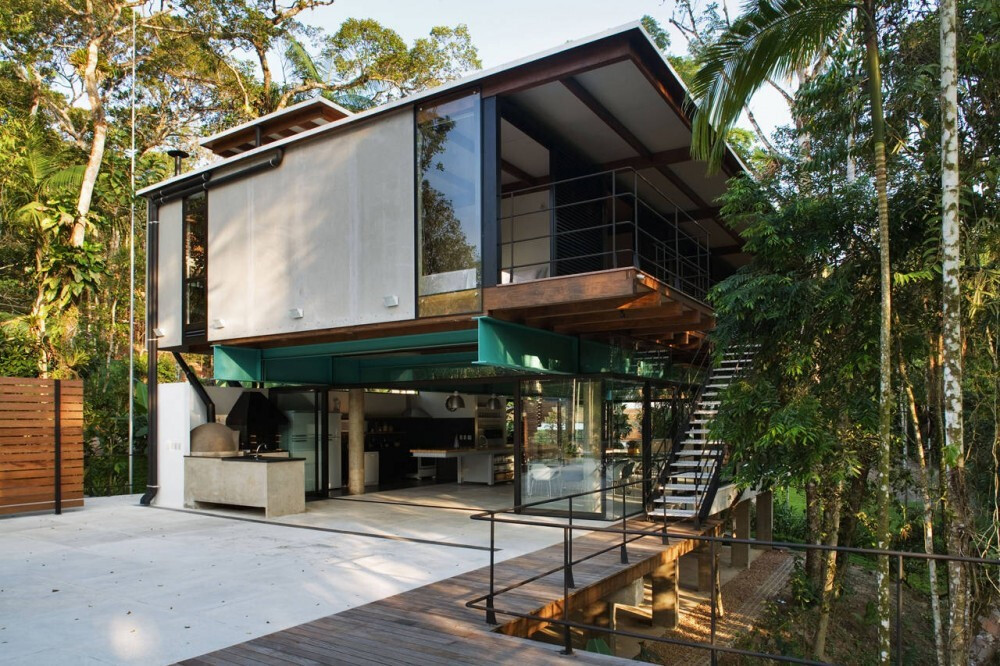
431, 624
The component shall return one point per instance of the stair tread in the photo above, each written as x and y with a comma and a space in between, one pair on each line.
673, 513
676, 499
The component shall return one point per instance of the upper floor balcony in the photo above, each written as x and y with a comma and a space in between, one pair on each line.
613, 219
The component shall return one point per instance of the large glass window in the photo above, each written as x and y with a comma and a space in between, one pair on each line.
562, 444
449, 207
195, 264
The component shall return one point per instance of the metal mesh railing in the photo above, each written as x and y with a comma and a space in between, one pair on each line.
610, 219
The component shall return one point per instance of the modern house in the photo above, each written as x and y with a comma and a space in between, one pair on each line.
499, 280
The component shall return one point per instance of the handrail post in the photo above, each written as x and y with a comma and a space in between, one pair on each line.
715, 656
614, 222
677, 249
624, 530
899, 609
567, 636
635, 220
57, 445
491, 616
569, 561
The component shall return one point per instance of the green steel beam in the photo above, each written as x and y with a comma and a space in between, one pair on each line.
237, 364
518, 347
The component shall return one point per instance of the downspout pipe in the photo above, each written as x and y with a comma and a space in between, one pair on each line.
197, 386
152, 347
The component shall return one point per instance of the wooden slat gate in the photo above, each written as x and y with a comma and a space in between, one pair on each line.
41, 444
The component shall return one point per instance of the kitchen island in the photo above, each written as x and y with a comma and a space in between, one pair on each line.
275, 483
476, 465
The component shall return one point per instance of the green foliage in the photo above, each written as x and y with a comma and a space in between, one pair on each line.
804, 591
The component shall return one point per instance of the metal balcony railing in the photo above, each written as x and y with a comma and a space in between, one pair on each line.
610, 219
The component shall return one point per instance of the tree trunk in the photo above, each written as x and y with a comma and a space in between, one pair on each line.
882, 494
951, 324
829, 571
923, 478
849, 520
96, 157
813, 529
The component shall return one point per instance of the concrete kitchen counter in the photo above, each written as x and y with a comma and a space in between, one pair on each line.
274, 484
475, 465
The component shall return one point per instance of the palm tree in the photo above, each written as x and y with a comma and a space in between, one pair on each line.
774, 39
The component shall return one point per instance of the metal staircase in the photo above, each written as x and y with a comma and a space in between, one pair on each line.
687, 483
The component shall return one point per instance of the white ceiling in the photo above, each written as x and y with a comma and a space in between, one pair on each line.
627, 95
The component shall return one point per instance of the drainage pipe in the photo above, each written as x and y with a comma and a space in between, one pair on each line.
206, 181
152, 316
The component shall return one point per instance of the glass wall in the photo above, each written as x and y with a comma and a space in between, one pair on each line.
449, 207
624, 463
562, 444
195, 264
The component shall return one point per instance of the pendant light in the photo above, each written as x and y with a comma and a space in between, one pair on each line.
454, 402
494, 403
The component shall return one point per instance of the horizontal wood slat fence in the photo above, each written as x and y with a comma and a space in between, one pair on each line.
41, 444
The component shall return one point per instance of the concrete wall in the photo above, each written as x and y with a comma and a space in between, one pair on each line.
171, 263
330, 232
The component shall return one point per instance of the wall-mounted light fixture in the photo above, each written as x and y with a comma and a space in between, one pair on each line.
390, 301
158, 332
218, 323
454, 402
296, 313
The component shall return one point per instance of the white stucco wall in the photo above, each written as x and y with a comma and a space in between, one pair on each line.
171, 256
330, 232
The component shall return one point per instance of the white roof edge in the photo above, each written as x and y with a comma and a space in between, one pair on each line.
274, 114
410, 99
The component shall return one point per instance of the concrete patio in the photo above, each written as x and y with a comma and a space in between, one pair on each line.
115, 582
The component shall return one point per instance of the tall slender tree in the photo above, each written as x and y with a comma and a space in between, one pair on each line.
957, 533
774, 39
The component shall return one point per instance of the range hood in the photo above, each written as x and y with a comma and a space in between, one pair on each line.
412, 412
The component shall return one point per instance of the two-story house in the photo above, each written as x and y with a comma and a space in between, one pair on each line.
528, 248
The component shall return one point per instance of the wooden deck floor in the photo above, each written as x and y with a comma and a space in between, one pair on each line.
431, 624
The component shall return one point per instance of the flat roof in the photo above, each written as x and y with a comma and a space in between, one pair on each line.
633, 27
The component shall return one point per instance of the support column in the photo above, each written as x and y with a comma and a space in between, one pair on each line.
356, 442
704, 552
765, 518
741, 530
666, 602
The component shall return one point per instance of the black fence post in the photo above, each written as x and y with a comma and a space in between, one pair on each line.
715, 656
899, 609
624, 530
57, 402
567, 635
491, 616
569, 560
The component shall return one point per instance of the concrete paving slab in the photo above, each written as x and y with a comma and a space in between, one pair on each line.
139, 585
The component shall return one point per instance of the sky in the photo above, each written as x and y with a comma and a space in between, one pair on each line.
508, 30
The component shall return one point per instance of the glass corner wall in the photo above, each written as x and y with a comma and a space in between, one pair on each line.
583, 435
449, 206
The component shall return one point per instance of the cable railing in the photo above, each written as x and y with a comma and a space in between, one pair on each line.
487, 603
610, 219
